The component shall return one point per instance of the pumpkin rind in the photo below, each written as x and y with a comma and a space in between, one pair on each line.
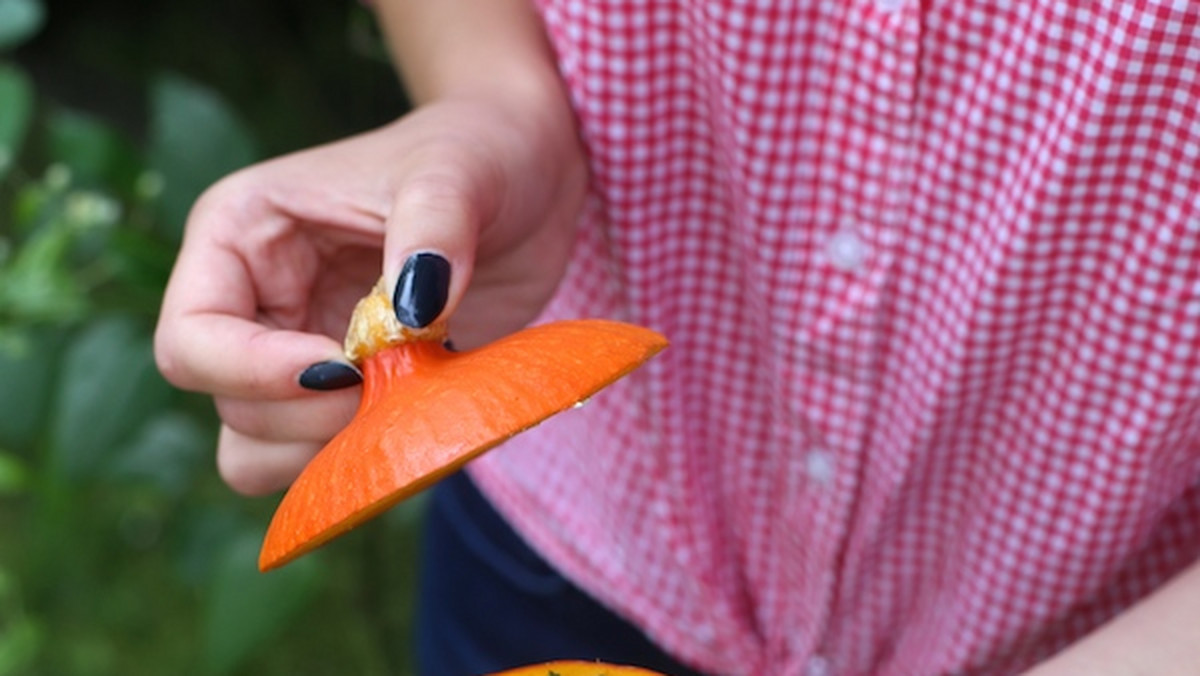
426, 411
577, 668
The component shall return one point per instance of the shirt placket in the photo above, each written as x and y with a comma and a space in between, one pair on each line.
868, 119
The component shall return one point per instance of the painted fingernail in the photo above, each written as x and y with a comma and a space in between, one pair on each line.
422, 289
329, 375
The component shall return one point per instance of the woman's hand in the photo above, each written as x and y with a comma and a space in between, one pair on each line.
275, 256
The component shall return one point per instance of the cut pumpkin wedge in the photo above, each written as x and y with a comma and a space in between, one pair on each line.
577, 668
426, 411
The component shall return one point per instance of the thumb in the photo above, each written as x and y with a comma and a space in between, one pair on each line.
429, 248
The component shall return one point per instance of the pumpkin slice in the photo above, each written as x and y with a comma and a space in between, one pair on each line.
574, 668
425, 411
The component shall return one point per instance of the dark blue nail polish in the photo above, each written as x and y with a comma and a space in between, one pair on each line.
422, 289
329, 375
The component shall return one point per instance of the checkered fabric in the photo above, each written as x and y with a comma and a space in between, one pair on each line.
931, 273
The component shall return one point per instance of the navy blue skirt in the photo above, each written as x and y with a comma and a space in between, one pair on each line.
488, 602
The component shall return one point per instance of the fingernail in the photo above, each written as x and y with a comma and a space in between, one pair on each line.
329, 375
422, 289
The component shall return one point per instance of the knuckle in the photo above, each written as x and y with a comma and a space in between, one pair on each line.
240, 192
236, 188
440, 193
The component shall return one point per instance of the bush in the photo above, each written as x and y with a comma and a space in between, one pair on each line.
121, 552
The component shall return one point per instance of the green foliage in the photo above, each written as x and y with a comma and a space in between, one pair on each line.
109, 391
246, 608
120, 550
17, 94
195, 139
19, 20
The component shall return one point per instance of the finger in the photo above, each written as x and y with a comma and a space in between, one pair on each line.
429, 248
234, 357
312, 419
207, 337
255, 467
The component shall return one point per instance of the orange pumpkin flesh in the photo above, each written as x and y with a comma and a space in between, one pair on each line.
426, 411
573, 668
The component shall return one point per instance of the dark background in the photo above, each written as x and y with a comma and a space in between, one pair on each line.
300, 71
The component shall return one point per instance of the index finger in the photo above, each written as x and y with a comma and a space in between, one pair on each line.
208, 337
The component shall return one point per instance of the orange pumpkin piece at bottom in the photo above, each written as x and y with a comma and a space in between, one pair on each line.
577, 668
426, 411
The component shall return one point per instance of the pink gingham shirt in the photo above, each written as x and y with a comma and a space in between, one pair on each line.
931, 272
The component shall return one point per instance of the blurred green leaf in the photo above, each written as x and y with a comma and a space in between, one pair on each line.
15, 113
36, 285
95, 152
28, 205
247, 608
200, 533
167, 451
25, 381
141, 264
20, 641
14, 476
14, 342
195, 139
108, 386
19, 21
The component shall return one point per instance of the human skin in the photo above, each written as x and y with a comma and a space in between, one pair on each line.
491, 176
1159, 636
487, 171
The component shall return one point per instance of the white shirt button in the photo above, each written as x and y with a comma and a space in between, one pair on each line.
846, 250
819, 466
